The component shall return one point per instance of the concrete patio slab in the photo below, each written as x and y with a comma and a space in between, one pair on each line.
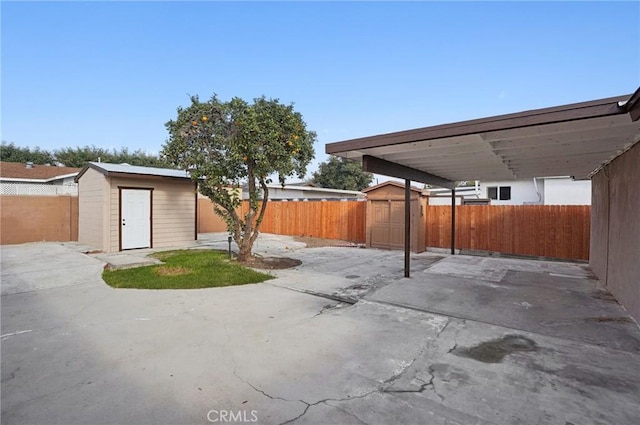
549, 298
128, 259
77, 351
23, 268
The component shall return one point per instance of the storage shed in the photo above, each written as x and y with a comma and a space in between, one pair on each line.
123, 207
385, 217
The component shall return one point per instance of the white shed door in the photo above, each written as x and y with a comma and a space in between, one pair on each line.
135, 220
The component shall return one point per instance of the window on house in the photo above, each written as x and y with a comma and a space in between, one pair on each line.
492, 192
505, 193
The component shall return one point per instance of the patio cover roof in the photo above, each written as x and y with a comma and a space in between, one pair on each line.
570, 140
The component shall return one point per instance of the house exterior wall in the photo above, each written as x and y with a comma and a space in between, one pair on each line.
553, 191
615, 234
443, 200
522, 191
567, 192
92, 204
173, 211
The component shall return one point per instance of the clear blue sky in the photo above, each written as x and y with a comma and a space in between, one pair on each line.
110, 74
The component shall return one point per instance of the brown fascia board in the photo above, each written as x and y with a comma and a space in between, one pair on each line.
633, 105
557, 114
86, 167
81, 173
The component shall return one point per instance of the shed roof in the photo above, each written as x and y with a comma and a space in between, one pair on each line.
125, 169
390, 183
18, 170
573, 140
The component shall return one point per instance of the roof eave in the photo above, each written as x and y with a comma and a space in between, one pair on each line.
584, 110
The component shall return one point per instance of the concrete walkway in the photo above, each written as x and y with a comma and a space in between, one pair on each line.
341, 339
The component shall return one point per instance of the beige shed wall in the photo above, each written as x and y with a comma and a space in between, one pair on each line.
173, 211
93, 201
615, 228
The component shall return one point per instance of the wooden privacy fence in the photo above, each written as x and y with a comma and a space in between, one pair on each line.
345, 220
38, 218
557, 231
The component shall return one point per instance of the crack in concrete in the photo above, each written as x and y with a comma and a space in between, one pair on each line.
397, 376
328, 307
463, 324
424, 347
422, 388
344, 300
306, 409
306, 403
432, 383
443, 328
324, 401
353, 415
332, 297
261, 391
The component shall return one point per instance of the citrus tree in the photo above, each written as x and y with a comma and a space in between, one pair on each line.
225, 144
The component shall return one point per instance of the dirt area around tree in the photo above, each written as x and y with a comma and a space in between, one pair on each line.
272, 263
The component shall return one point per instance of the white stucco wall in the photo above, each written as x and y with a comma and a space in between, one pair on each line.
443, 200
567, 192
553, 191
522, 191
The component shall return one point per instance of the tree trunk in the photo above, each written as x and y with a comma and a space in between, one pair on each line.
244, 251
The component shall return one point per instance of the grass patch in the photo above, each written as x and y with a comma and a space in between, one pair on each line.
185, 269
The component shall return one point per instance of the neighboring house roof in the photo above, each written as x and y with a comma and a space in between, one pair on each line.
124, 169
460, 190
302, 184
313, 189
390, 183
16, 171
278, 191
